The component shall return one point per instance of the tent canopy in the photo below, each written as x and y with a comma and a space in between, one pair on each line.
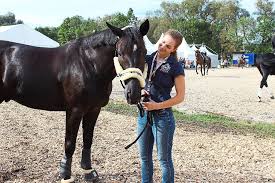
214, 57
157, 43
148, 44
23, 34
184, 51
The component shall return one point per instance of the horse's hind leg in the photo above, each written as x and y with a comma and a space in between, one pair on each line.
88, 124
73, 119
268, 90
263, 83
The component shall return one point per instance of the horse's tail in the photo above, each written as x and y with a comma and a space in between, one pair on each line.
257, 62
2, 66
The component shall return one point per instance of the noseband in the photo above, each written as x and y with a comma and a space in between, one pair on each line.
124, 74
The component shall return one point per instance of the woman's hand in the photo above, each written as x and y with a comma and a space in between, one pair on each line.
150, 106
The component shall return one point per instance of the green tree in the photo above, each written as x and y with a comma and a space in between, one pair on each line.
9, 19
266, 23
132, 19
51, 32
117, 19
70, 29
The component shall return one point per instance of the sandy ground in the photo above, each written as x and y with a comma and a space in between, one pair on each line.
231, 92
31, 141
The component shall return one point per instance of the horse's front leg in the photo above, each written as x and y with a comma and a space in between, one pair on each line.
88, 124
73, 119
197, 68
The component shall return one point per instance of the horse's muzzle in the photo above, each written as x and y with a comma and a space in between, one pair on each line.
133, 91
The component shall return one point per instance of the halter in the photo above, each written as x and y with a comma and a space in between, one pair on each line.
124, 74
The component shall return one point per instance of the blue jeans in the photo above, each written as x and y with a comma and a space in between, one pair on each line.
161, 132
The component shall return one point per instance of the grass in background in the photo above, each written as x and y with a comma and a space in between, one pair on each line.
208, 120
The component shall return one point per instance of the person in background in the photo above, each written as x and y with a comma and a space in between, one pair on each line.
164, 72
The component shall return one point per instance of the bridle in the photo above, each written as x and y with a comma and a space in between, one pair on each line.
124, 74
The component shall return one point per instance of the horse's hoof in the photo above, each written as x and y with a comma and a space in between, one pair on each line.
90, 175
67, 180
259, 99
272, 97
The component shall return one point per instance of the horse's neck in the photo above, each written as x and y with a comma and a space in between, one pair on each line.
100, 50
101, 60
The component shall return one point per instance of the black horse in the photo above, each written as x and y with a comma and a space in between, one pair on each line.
76, 78
266, 65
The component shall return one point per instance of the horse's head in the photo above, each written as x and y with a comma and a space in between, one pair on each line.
197, 53
130, 60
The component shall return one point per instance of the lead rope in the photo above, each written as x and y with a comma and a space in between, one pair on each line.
148, 123
141, 110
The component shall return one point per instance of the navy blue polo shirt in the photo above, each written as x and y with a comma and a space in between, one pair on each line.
164, 78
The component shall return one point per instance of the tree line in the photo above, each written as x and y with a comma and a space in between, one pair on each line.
221, 25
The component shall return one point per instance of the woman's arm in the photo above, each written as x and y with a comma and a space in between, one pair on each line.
178, 98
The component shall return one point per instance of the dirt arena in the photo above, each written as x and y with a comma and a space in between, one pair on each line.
31, 141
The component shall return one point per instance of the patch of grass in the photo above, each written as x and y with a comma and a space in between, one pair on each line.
208, 120
218, 120
119, 107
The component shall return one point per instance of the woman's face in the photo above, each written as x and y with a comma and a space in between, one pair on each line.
167, 45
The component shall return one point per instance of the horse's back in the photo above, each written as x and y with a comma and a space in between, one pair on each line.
30, 75
265, 62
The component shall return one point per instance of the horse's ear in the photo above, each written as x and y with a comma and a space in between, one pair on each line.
117, 31
144, 27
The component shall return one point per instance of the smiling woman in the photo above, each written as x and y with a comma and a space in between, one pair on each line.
158, 123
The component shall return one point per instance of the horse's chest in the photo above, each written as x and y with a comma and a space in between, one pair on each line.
99, 93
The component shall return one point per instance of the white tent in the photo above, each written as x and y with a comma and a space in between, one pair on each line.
149, 46
23, 34
194, 48
184, 51
214, 57
160, 39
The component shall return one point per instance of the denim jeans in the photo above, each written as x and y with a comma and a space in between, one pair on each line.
161, 132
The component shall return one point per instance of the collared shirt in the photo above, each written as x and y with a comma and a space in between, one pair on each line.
163, 79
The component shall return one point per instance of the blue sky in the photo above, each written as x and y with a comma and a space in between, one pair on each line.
53, 12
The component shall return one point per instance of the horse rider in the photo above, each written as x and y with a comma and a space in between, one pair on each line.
204, 54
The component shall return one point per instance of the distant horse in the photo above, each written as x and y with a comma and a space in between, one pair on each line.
202, 60
242, 62
76, 78
207, 61
266, 65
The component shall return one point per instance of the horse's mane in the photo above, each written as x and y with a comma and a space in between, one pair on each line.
99, 39
95, 40
105, 38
